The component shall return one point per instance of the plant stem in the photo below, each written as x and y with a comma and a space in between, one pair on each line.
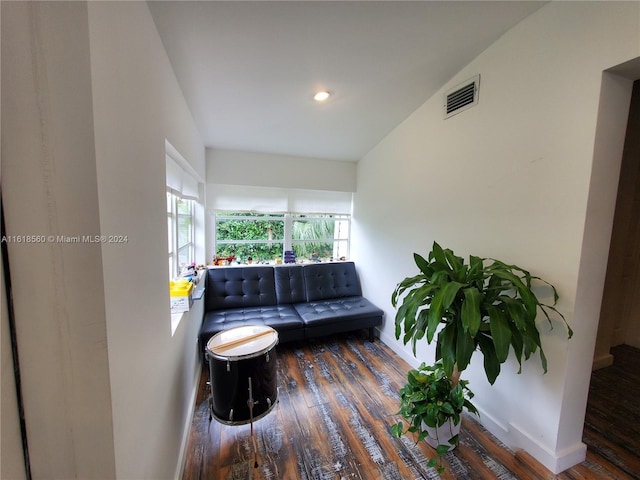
455, 376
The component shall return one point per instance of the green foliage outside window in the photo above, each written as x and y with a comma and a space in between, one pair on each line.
308, 235
261, 236
243, 229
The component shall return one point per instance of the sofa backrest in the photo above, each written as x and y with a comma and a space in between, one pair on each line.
256, 286
289, 284
235, 287
330, 280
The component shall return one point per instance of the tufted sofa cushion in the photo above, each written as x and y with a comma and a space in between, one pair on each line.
289, 284
339, 310
336, 281
326, 317
238, 287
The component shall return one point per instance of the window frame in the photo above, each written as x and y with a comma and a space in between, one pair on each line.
338, 253
173, 232
288, 242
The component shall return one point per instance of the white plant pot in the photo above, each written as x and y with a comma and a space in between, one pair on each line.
442, 434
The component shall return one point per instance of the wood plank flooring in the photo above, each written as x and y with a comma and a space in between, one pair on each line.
337, 400
612, 421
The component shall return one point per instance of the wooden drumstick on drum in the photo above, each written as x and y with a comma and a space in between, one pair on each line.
240, 341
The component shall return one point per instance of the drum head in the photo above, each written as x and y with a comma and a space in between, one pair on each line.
242, 342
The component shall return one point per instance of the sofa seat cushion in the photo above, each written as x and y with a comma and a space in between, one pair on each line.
282, 318
339, 310
277, 316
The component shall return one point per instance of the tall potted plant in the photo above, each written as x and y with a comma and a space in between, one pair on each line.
484, 304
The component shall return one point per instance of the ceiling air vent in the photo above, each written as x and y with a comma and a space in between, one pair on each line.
461, 97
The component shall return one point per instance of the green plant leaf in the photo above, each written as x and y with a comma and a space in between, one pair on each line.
440, 302
543, 360
397, 430
409, 282
531, 338
447, 408
517, 343
423, 264
408, 310
471, 407
544, 309
419, 330
465, 346
500, 333
475, 272
529, 299
447, 343
437, 254
441, 276
491, 363
515, 311
470, 313
456, 264
442, 449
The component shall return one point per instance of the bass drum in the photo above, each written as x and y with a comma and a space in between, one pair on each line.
242, 372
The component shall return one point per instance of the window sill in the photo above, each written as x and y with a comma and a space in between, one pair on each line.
198, 293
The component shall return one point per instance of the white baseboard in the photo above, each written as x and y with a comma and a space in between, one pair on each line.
495, 427
187, 426
401, 352
556, 462
602, 361
516, 438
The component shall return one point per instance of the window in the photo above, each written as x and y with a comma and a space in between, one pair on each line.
320, 237
263, 238
180, 227
249, 236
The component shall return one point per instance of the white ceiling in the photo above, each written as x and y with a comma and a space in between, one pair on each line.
248, 70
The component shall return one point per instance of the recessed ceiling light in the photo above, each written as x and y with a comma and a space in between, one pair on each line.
321, 96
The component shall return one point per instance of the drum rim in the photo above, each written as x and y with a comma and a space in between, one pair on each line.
233, 358
244, 422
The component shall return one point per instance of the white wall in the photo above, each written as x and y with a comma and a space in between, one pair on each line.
273, 176
231, 167
49, 189
137, 105
88, 100
509, 179
609, 145
11, 458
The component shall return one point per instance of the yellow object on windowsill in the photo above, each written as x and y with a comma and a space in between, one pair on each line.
180, 295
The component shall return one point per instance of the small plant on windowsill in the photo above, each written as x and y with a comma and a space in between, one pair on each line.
432, 403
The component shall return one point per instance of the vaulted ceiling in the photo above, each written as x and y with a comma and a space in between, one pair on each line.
248, 70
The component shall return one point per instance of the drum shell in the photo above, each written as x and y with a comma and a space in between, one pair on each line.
229, 377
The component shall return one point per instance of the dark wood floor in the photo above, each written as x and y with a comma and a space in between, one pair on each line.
612, 422
337, 399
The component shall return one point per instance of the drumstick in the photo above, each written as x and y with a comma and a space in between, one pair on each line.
238, 341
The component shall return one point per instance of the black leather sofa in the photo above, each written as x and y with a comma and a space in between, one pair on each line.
298, 301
